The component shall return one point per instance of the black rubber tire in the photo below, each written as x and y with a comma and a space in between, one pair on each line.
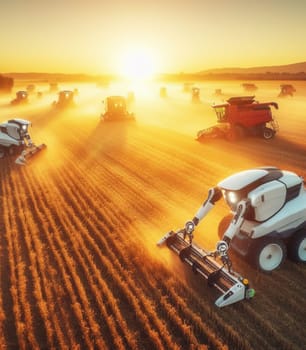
267, 133
268, 253
297, 247
223, 225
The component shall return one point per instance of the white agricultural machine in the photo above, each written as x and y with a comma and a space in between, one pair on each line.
15, 139
267, 223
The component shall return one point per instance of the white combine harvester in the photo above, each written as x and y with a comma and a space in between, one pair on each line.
15, 139
268, 222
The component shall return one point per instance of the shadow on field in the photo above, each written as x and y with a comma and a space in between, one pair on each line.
107, 139
279, 152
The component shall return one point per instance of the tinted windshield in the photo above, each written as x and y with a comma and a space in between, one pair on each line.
220, 112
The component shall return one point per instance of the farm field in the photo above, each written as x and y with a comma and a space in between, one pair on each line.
79, 266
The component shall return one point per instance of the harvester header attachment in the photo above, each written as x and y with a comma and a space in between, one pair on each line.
215, 267
28, 153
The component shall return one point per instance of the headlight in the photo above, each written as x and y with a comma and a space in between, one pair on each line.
232, 197
189, 227
24, 127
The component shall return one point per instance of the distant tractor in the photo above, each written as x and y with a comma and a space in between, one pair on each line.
65, 99
286, 90
116, 109
249, 87
53, 87
163, 92
187, 87
195, 94
218, 92
240, 117
30, 88
21, 98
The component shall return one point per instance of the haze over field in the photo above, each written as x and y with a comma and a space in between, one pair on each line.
79, 266
142, 37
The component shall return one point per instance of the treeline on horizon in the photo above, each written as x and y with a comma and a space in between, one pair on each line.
61, 77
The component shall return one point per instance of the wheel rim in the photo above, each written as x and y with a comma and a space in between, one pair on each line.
302, 250
267, 134
271, 257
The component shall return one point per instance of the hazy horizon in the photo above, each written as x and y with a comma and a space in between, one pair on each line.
142, 38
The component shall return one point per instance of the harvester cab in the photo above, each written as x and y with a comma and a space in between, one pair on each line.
65, 99
268, 219
116, 109
21, 98
15, 138
286, 90
240, 117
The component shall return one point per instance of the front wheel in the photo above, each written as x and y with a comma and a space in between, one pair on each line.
268, 254
297, 247
267, 133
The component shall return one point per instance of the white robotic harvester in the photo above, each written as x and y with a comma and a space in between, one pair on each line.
15, 139
268, 222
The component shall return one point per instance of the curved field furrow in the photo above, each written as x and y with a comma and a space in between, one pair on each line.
66, 281
22, 289
85, 246
118, 269
74, 287
52, 287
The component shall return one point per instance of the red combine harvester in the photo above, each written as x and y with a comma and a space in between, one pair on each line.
240, 117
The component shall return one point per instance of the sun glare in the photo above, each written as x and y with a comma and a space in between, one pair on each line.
138, 64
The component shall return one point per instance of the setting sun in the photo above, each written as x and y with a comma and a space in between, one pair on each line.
138, 64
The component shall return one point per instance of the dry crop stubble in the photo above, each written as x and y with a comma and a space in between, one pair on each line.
80, 225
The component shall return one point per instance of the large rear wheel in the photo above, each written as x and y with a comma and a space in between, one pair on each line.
268, 254
297, 246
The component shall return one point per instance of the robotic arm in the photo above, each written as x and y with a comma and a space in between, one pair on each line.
214, 195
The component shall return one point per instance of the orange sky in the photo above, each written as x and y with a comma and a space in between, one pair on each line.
98, 36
